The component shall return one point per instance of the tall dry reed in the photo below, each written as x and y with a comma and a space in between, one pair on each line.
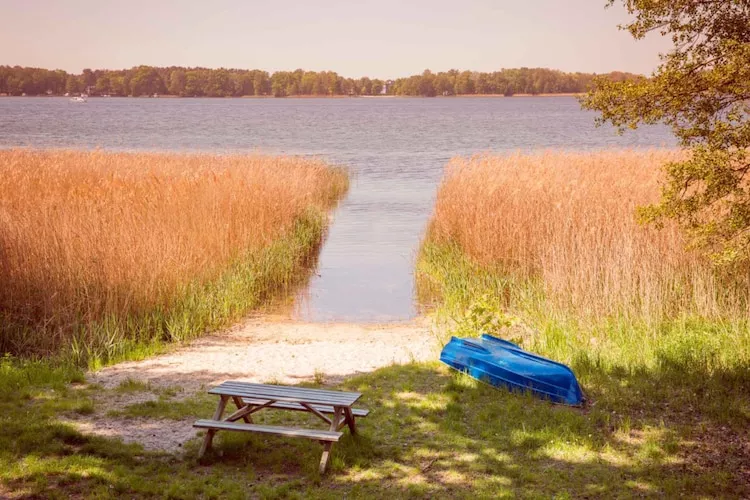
567, 222
87, 235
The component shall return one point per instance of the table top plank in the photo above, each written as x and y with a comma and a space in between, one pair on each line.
293, 398
248, 385
286, 393
284, 388
290, 392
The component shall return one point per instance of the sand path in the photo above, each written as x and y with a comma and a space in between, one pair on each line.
274, 350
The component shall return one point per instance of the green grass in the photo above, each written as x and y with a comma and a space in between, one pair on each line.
431, 433
686, 376
130, 385
689, 360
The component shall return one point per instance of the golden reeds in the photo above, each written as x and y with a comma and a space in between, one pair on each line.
567, 220
84, 235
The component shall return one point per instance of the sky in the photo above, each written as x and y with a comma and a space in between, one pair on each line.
384, 39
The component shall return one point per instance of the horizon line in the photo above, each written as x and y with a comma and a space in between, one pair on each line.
271, 72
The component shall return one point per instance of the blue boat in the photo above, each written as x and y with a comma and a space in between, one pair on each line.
504, 364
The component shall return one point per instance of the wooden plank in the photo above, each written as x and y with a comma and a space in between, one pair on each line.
306, 389
241, 408
210, 434
241, 388
336, 419
261, 406
242, 413
344, 398
324, 457
291, 396
278, 397
312, 410
315, 434
287, 392
357, 412
327, 447
350, 420
284, 388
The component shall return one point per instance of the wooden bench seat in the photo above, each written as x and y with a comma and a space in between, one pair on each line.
357, 412
317, 435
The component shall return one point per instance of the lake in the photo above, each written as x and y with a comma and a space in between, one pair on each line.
396, 149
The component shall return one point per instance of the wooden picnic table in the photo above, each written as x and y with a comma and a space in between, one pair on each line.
251, 398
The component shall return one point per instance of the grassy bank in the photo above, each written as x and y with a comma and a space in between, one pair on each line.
430, 434
105, 254
545, 250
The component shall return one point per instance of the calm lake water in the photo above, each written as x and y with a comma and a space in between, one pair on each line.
396, 149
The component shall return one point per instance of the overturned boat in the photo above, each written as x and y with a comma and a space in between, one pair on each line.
504, 364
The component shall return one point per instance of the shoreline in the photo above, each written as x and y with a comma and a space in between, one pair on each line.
312, 96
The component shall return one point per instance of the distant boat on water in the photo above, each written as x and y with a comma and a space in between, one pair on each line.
80, 98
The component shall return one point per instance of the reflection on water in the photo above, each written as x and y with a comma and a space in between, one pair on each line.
396, 148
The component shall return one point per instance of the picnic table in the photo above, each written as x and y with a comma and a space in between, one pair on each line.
251, 398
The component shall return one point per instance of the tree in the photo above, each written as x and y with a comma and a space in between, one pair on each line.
701, 89
443, 85
278, 85
332, 80
243, 84
88, 77
194, 83
464, 83
177, 81
146, 81
72, 84
261, 83
426, 85
118, 85
219, 84
103, 85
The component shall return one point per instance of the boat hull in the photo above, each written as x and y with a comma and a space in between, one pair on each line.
504, 364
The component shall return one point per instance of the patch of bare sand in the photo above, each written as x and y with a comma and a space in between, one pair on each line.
153, 434
262, 350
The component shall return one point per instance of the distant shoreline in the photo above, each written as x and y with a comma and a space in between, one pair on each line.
313, 96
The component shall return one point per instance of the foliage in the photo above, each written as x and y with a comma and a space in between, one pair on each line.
483, 316
200, 82
702, 91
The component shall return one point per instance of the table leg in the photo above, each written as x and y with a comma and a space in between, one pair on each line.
350, 420
210, 433
324, 459
336, 420
337, 411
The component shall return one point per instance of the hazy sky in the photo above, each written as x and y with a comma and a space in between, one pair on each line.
385, 38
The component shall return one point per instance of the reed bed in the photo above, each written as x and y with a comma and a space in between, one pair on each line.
545, 250
567, 221
108, 239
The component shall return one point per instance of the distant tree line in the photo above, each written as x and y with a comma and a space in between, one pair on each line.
204, 82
